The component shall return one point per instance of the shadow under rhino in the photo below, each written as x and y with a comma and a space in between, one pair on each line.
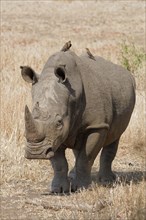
123, 177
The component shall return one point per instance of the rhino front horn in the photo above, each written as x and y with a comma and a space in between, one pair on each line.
30, 126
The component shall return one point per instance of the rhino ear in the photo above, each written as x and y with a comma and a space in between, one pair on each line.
28, 74
60, 72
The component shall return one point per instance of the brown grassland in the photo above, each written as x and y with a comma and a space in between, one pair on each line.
30, 32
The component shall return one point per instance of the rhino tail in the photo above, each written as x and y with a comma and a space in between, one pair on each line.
90, 55
66, 46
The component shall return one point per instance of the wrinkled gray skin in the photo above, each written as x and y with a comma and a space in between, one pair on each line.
82, 104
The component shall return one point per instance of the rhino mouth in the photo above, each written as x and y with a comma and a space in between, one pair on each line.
38, 151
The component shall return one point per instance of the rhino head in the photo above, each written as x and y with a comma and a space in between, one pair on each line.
56, 97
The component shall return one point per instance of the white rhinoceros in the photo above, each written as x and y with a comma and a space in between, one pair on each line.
79, 102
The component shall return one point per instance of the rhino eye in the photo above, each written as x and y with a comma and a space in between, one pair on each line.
59, 123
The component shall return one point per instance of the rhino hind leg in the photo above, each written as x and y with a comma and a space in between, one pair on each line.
80, 175
105, 175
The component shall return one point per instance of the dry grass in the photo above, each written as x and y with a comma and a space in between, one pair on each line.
122, 202
28, 37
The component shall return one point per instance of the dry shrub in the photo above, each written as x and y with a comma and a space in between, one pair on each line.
133, 58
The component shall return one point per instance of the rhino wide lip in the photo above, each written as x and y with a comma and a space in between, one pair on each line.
39, 149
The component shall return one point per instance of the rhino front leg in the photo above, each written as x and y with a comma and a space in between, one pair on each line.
106, 176
60, 182
80, 175
87, 148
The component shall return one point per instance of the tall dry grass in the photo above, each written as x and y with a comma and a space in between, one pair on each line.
25, 42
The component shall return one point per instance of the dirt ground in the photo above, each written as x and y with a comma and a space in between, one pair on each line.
42, 27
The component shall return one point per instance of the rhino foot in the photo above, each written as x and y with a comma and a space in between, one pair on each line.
79, 181
60, 185
106, 179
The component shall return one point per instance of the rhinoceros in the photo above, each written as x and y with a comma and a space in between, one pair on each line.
79, 103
